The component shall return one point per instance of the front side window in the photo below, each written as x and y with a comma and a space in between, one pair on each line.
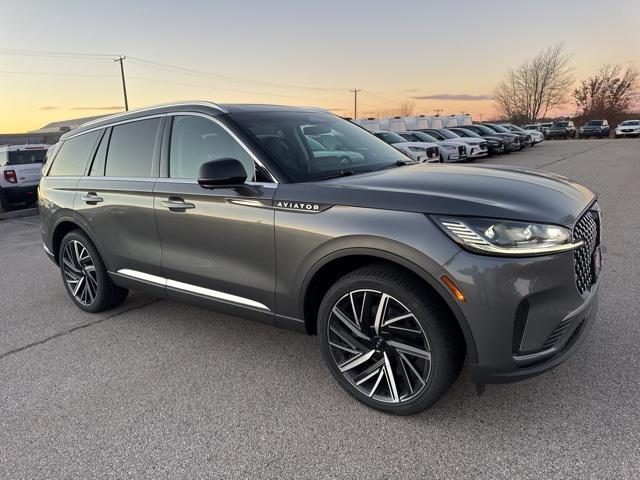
131, 148
288, 139
73, 155
196, 140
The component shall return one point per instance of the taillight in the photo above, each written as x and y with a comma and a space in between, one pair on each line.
10, 176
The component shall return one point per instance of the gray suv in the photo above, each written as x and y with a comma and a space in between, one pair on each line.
403, 269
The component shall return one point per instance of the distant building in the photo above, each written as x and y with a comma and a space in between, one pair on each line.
50, 133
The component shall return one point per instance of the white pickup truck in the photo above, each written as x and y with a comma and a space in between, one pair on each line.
20, 171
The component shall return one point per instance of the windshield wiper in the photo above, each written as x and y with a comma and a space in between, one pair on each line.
397, 163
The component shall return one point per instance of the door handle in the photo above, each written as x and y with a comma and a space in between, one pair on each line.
92, 198
177, 204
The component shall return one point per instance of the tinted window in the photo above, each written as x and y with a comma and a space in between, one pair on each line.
24, 157
73, 155
97, 169
131, 149
284, 138
595, 123
196, 140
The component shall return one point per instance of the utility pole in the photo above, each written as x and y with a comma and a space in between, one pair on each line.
480, 116
438, 110
355, 102
124, 85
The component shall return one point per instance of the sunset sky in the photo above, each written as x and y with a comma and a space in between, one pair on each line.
290, 52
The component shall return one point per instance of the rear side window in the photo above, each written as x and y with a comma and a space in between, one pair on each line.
130, 151
73, 155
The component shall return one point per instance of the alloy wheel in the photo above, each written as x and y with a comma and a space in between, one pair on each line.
79, 272
379, 346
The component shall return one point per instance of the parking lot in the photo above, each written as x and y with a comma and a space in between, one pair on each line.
157, 389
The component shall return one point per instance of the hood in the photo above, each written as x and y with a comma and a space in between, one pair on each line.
414, 144
592, 127
451, 143
506, 136
484, 191
470, 141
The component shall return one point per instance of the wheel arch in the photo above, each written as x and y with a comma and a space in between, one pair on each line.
64, 225
333, 266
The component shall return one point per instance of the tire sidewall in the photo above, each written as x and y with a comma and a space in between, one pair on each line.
101, 271
429, 395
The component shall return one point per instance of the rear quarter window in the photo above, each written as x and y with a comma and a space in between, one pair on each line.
73, 155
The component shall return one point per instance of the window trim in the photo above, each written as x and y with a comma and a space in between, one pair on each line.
164, 164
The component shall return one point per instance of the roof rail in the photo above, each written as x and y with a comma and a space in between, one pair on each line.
153, 107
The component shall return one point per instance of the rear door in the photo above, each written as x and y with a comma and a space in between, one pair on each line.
217, 244
116, 197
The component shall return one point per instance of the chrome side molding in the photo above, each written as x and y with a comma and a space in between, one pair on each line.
189, 288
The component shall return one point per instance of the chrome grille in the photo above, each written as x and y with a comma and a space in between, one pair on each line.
587, 229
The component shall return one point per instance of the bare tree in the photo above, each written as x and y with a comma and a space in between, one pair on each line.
611, 91
406, 108
535, 87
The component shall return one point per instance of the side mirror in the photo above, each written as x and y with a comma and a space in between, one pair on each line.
222, 172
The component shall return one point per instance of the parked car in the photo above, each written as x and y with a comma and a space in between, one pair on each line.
535, 135
476, 147
533, 126
511, 140
402, 270
594, 128
525, 138
495, 145
449, 151
417, 151
562, 129
628, 128
545, 126
20, 167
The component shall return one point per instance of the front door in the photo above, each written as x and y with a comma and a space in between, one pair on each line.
217, 245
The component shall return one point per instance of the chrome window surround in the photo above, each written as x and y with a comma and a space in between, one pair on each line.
180, 113
189, 288
153, 107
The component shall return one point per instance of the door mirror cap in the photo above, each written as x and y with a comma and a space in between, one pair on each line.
221, 173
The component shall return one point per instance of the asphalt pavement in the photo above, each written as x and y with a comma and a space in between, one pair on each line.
157, 389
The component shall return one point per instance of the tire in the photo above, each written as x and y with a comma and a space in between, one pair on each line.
85, 276
423, 350
5, 203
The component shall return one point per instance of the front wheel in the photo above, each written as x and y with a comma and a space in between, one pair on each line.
388, 342
85, 275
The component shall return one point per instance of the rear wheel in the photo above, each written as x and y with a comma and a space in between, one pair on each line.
85, 275
388, 342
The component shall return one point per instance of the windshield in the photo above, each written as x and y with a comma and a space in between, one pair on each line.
463, 132
484, 130
291, 140
498, 128
631, 122
561, 124
594, 123
24, 157
390, 137
449, 135
437, 135
424, 137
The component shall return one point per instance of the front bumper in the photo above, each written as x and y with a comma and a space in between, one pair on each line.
627, 133
474, 151
512, 342
593, 133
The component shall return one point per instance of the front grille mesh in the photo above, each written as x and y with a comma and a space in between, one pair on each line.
431, 152
587, 229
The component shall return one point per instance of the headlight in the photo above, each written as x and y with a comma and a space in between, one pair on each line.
418, 149
507, 238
